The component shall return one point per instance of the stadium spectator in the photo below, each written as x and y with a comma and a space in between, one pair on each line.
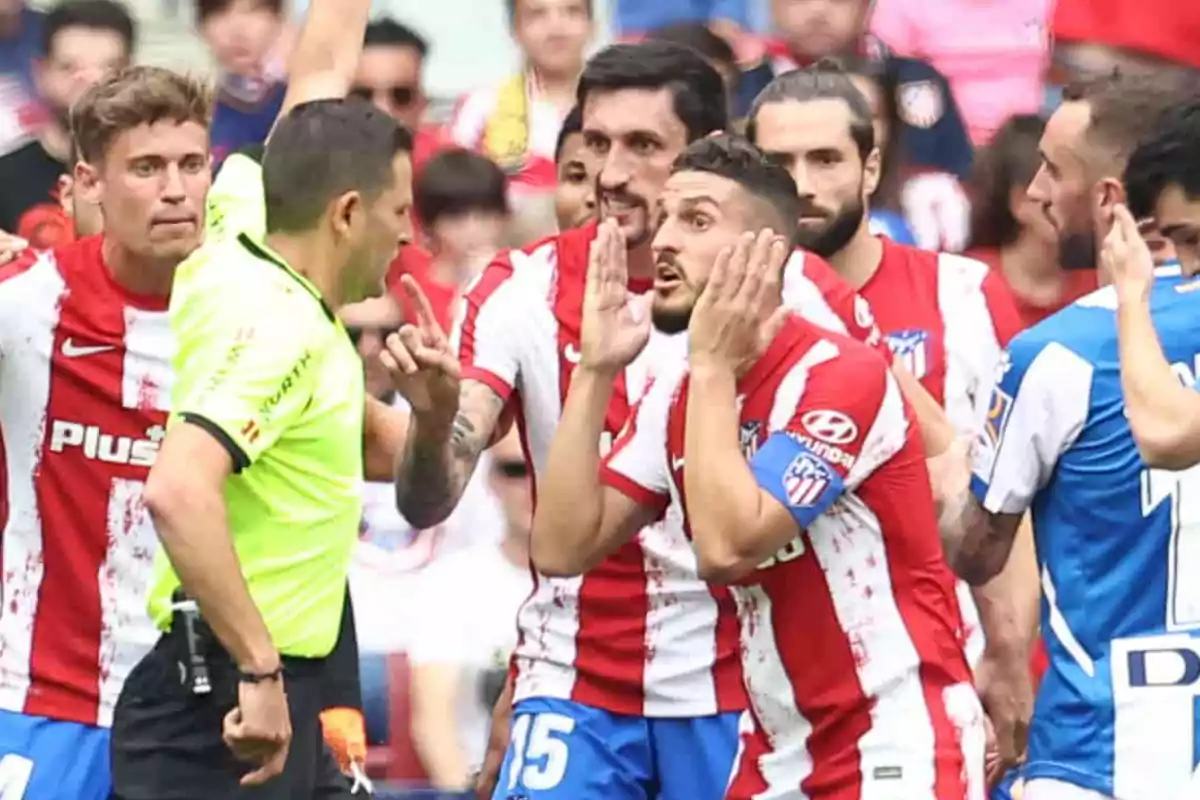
391, 75
1094, 37
85, 40
244, 37
465, 635
575, 192
21, 43
994, 53
874, 79
515, 123
462, 208
715, 50
1010, 231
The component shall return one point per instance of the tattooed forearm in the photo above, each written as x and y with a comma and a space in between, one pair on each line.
985, 542
438, 460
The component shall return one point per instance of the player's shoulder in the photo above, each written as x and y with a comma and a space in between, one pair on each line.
809, 345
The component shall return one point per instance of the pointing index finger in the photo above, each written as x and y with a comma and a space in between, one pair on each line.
425, 317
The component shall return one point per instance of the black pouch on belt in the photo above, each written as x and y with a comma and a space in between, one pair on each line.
196, 639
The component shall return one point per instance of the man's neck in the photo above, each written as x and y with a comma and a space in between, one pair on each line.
515, 550
137, 274
56, 141
1032, 271
860, 258
311, 256
558, 89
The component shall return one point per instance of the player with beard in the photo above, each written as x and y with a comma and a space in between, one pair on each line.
772, 448
1116, 716
636, 651
945, 317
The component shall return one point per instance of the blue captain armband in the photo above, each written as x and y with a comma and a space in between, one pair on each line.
806, 484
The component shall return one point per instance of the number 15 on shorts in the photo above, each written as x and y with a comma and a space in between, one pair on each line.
539, 751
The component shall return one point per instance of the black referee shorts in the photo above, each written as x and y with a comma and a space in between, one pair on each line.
166, 740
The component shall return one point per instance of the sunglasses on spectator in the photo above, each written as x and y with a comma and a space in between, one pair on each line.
511, 469
401, 95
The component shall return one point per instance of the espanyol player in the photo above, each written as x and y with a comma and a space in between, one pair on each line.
1116, 716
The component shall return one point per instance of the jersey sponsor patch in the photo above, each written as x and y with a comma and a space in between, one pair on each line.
911, 347
831, 427
806, 480
999, 408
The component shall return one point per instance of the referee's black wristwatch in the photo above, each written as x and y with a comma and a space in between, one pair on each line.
245, 676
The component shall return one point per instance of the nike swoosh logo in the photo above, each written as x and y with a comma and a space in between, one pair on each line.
571, 353
676, 463
72, 350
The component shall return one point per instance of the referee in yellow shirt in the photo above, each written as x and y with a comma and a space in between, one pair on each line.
256, 492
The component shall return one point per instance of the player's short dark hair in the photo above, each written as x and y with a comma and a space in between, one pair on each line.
1169, 157
456, 182
700, 38
97, 15
511, 6
572, 125
1124, 109
387, 32
824, 80
734, 157
136, 96
323, 149
697, 88
1009, 161
207, 8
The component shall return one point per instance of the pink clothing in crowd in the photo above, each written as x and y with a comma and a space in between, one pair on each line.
993, 52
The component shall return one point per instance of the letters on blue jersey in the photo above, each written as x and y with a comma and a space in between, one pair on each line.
1118, 546
911, 346
804, 482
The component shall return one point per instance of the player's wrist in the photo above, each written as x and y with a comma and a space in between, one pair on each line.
260, 666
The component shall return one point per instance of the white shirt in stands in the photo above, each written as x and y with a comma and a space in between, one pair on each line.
640, 634
468, 601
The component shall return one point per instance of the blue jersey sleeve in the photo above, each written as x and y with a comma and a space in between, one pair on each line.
804, 482
1035, 410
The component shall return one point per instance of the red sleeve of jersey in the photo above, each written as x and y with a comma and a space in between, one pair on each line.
489, 329
842, 400
636, 464
1006, 317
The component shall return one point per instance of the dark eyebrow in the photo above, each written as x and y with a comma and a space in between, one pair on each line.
1171, 230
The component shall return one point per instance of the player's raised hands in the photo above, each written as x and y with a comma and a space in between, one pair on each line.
739, 311
616, 323
419, 360
1126, 258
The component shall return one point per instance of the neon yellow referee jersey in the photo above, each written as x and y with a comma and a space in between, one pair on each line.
264, 365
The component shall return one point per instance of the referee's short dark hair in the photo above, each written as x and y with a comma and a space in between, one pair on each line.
322, 150
457, 182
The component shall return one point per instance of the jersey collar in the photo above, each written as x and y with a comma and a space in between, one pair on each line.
266, 254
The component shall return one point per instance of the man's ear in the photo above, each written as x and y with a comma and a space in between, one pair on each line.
1106, 193
348, 214
872, 172
87, 182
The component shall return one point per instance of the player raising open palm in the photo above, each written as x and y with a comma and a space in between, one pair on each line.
616, 323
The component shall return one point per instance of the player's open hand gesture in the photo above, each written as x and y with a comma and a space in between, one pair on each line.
616, 323
739, 312
1126, 258
419, 359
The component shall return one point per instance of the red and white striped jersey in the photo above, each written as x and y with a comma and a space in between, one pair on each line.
640, 634
85, 382
947, 319
857, 683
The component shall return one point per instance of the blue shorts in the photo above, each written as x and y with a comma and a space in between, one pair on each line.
48, 759
562, 750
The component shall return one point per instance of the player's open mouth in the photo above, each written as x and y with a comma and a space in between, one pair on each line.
666, 278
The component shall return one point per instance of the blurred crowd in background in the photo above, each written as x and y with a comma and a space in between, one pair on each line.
959, 90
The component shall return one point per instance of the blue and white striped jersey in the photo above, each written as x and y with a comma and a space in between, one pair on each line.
1118, 549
